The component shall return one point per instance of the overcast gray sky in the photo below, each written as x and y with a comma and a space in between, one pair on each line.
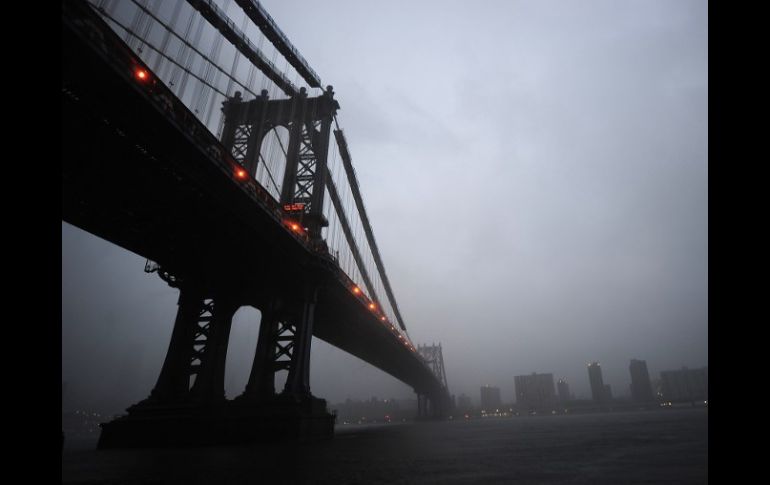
536, 177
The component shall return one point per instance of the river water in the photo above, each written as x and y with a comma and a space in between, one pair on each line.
644, 447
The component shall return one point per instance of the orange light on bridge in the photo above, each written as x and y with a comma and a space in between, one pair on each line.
356, 290
382, 318
141, 74
294, 226
241, 173
372, 306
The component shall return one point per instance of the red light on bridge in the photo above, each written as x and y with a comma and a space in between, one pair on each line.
141, 74
296, 207
241, 173
382, 318
294, 226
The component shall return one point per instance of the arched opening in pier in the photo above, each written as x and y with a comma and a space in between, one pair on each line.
280, 380
241, 348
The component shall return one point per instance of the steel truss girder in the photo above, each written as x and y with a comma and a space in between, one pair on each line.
286, 333
240, 143
201, 337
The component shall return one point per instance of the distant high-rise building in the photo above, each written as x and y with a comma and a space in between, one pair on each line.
597, 383
535, 391
685, 384
641, 388
563, 389
464, 403
607, 392
490, 398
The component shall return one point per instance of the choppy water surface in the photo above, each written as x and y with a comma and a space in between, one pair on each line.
666, 446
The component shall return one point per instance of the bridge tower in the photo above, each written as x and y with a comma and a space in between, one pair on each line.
308, 121
433, 405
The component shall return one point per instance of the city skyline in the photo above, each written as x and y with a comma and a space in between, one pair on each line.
586, 125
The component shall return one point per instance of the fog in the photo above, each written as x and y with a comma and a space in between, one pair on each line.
536, 177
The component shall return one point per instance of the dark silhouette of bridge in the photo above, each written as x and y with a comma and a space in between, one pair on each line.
260, 214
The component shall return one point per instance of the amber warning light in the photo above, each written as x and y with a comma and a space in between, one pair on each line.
240, 173
295, 227
141, 74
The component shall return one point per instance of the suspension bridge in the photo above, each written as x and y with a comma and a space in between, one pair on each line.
186, 143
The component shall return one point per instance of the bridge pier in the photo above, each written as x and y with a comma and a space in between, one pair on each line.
298, 381
174, 381
431, 407
428, 407
422, 406
188, 404
285, 337
209, 384
261, 385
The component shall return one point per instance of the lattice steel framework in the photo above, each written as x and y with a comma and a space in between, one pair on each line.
433, 357
308, 121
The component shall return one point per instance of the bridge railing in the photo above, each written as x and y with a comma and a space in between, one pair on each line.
182, 45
